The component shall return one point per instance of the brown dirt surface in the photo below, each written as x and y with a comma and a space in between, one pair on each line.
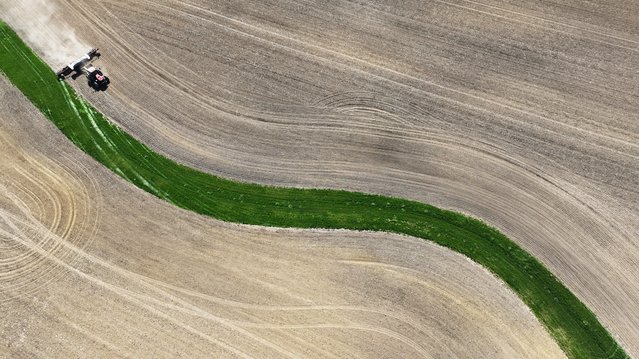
91, 266
523, 114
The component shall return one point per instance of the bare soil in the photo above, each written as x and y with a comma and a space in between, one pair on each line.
523, 114
91, 266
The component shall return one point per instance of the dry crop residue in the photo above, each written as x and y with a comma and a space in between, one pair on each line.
137, 277
520, 114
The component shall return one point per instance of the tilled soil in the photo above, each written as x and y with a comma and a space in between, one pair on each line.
91, 266
523, 114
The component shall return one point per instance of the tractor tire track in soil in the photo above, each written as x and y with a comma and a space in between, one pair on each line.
519, 114
138, 277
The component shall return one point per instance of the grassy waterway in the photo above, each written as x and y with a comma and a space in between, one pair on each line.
571, 324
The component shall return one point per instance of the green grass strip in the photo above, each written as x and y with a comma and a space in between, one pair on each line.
571, 324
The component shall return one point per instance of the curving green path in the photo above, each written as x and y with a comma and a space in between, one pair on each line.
572, 325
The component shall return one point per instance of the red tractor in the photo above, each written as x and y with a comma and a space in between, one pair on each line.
96, 79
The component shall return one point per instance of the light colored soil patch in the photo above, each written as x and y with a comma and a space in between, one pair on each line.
106, 270
524, 116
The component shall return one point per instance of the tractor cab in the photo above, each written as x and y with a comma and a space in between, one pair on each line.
96, 79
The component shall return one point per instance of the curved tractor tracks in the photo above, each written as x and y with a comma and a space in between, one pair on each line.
224, 290
520, 115
45, 205
571, 324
